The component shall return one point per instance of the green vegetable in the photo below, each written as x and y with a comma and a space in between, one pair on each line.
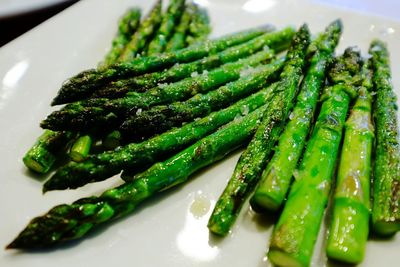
199, 27
107, 114
294, 235
251, 163
128, 25
142, 36
178, 39
80, 149
136, 155
112, 140
277, 177
66, 222
348, 232
42, 155
167, 27
163, 117
386, 203
86, 82
179, 71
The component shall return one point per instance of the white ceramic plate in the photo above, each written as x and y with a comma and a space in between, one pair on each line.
165, 231
10, 8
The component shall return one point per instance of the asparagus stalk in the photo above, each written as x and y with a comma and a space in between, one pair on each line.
144, 82
199, 27
42, 155
178, 39
143, 34
253, 160
128, 25
386, 203
277, 177
166, 30
294, 235
135, 155
66, 222
107, 114
163, 117
112, 140
346, 243
80, 149
86, 82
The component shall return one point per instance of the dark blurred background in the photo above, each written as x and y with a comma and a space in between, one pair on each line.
13, 26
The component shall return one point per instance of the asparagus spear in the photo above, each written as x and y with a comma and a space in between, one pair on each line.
66, 222
178, 39
135, 155
199, 27
163, 117
86, 82
144, 82
294, 235
128, 25
346, 243
277, 177
80, 149
386, 204
253, 160
143, 34
112, 140
164, 33
42, 155
107, 114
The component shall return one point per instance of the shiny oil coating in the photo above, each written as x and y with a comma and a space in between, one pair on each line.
65, 222
386, 203
146, 81
42, 155
253, 160
86, 82
349, 228
108, 114
296, 231
132, 156
277, 176
163, 117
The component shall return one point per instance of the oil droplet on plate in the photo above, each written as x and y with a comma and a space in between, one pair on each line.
200, 206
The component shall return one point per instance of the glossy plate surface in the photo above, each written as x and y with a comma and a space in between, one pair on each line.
169, 230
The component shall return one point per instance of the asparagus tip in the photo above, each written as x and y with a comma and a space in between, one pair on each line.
12, 245
49, 185
57, 100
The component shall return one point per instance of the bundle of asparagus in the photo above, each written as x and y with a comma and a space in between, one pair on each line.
132, 38
177, 110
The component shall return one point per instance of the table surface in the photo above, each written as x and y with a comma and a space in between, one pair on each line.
14, 26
